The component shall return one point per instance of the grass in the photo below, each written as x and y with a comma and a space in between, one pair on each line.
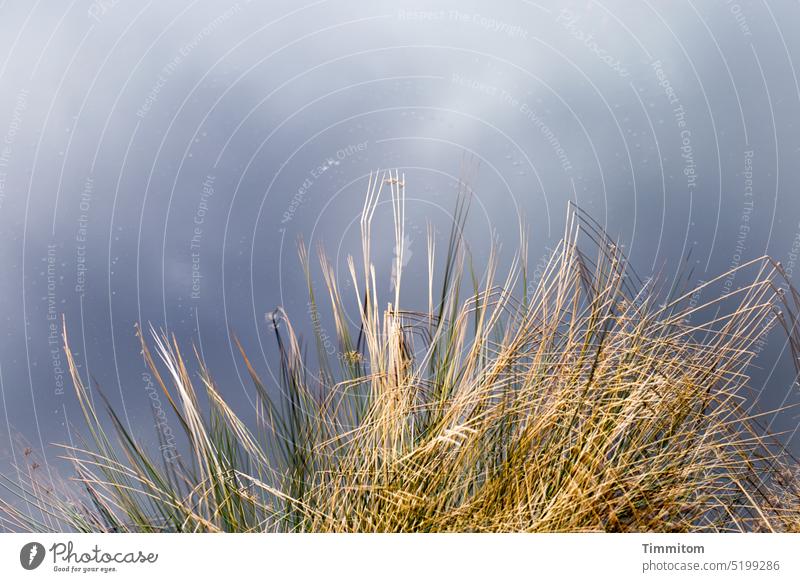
584, 400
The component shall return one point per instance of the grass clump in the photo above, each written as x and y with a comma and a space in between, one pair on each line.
582, 403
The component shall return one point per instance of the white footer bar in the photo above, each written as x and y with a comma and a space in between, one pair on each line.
483, 557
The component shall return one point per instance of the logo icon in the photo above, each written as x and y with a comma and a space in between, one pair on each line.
31, 555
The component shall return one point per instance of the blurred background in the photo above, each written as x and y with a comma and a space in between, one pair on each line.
160, 160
